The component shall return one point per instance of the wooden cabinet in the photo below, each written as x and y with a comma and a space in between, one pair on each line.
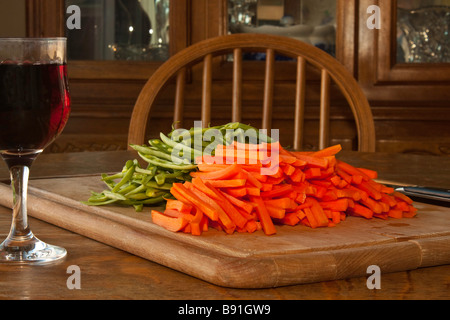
410, 101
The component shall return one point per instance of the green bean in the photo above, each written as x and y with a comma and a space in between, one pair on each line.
154, 192
125, 179
167, 164
98, 197
155, 200
146, 179
181, 133
154, 184
158, 199
137, 196
112, 177
114, 196
160, 178
109, 182
158, 144
149, 151
146, 172
135, 190
102, 203
126, 189
193, 152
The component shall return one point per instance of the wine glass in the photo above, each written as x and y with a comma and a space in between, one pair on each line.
34, 108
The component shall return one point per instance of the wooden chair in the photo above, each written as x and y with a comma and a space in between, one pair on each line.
236, 44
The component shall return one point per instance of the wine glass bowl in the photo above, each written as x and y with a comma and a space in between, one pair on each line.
34, 109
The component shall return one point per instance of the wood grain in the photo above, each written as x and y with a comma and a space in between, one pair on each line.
108, 273
295, 255
111, 273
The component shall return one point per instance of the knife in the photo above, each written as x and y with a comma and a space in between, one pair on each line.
421, 192
427, 193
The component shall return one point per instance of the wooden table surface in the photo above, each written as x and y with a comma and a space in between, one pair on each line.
109, 273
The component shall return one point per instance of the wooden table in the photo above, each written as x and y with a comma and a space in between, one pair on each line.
109, 273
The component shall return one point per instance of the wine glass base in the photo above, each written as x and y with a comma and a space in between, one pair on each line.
33, 251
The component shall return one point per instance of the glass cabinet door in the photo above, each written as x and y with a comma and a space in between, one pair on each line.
423, 31
310, 21
130, 30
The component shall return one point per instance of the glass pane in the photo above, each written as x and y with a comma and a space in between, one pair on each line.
423, 31
311, 21
135, 30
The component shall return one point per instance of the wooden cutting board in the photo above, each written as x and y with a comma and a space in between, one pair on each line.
295, 255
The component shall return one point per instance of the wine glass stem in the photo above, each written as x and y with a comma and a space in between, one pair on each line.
19, 229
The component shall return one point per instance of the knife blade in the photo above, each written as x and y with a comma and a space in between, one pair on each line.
426, 192
420, 192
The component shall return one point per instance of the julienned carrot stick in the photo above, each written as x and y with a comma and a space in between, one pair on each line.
290, 219
362, 211
308, 188
310, 218
396, 214
261, 178
371, 191
233, 183
276, 212
336, 205
312, 161
370, 173
222, 216
351, 170
219, 174
281, 191
251, 178
170, 223
246, 206
198, 182
178, 205
319, 215
237, 192
196, 221
402, 197
263, 215
253, 191
231, 211
330, 151
189, 196
283, 203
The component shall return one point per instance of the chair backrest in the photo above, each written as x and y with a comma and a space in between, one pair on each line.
236, 44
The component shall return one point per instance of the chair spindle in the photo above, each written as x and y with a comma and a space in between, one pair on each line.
206, 93
300, 91
268, 90
324, 130
179, 99
237, 85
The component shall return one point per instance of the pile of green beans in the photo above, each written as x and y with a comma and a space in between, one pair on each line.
138, 186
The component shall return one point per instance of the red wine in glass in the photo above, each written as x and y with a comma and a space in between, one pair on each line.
34, 109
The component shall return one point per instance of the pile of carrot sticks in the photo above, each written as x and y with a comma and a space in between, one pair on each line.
247, 188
